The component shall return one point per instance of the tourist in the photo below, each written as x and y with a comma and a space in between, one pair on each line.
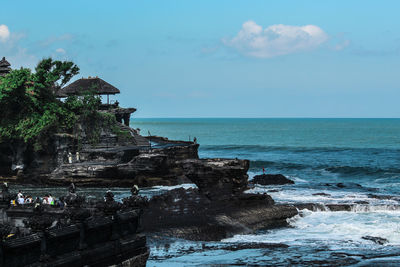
4, 187
50, 199
28, 200
135, 190
109, 197
45, 200
37, 203
20, 195
61, 203
21, 200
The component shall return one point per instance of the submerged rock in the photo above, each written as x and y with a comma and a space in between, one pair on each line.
375, 239
241, 246
383, 197
322, 194
271, 179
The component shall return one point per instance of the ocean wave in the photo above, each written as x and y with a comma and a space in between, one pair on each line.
259, 164
361, 170
344, 170
263, 148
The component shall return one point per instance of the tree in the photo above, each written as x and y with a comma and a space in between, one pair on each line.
28, 105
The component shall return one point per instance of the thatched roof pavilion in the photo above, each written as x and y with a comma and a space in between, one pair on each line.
78, 87
4, 67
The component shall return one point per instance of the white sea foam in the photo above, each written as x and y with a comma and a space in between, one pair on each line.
287, 194
167, 188
297, 179
342, 229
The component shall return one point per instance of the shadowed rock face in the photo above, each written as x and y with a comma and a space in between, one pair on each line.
217, 178
191, 215
271, 179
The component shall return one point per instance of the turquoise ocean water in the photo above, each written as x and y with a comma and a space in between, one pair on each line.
318, 154
362, 154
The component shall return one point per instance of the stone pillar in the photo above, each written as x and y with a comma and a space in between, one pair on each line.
127, 117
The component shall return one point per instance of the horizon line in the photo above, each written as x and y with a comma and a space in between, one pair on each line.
265, 117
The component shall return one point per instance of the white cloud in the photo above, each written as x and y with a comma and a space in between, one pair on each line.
276, 40
61, 50
4, 33
342, 45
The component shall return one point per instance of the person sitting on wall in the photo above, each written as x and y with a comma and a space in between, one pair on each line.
46, 200
20, 200
72, 189
4, 188
50, 199
20, 195
109, 197
61, 202
28, 200
135, 190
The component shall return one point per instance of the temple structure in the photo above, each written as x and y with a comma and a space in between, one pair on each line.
5, 67
78, 87
100, 87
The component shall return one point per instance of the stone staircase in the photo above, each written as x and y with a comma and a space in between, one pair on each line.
138, 139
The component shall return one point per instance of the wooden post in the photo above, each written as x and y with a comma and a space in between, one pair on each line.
108, 102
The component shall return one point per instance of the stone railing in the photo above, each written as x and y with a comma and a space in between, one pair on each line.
102, 233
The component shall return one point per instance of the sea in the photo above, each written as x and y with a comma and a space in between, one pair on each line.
350, 161
363, 155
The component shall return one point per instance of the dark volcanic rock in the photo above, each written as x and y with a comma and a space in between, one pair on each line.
271, 179
322, 194
339, 207
191, 215
348, 185
377, 240
327, 207
383, 197
217, 178
310, 206
241, 246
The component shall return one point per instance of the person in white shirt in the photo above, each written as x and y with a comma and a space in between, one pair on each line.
19, 195
50, 200
21, 201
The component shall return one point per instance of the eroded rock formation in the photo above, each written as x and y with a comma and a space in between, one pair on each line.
271, 179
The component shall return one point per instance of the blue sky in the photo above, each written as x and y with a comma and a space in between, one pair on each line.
221, 58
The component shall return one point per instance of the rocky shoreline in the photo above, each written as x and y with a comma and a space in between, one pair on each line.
218, 208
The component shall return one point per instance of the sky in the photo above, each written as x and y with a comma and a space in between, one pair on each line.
224, 58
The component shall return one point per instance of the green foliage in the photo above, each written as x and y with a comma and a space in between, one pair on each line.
28, 106
86, 104
31, 112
